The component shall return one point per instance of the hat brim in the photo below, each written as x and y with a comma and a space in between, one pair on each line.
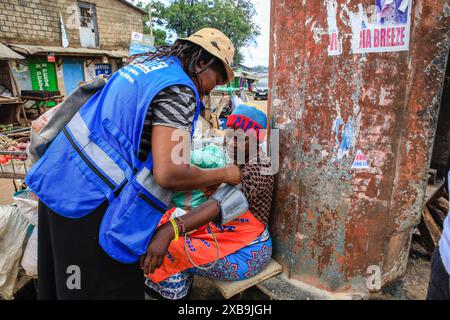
205, 45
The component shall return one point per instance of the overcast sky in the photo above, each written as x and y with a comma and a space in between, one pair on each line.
259, 54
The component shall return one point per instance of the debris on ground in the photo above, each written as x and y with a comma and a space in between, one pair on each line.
434, 214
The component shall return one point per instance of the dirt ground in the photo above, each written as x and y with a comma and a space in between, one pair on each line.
261, 103
414, 285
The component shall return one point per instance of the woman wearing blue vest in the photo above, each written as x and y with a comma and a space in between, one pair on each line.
108, 177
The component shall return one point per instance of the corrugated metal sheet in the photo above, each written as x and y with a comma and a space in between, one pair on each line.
44, 50
7, 54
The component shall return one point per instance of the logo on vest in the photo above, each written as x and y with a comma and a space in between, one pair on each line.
149, 67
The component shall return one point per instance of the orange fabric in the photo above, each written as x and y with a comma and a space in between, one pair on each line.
201, 246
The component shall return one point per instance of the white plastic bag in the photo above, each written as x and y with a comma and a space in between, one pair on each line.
13, 232
29, 259
27, 202
236, 101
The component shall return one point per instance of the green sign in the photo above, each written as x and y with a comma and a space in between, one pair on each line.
43, 76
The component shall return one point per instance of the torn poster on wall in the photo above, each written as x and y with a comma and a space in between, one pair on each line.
360, 161
387, 30
335, 45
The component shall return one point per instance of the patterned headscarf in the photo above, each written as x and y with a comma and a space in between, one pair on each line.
247, 116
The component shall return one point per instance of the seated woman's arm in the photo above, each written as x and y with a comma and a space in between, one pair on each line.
165, 233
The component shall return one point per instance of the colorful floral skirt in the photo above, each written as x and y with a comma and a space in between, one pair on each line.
199, 248
242, 264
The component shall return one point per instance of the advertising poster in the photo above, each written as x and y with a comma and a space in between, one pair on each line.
141, 43
103, 68
388, 30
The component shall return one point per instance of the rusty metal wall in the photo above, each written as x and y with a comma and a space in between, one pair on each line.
331, 222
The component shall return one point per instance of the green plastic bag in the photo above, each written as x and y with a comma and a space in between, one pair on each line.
209, 157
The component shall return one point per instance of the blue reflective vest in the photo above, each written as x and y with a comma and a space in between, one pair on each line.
95, 158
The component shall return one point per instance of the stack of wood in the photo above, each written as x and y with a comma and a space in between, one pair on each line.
433, 216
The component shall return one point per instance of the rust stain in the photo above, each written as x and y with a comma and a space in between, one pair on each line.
329, 221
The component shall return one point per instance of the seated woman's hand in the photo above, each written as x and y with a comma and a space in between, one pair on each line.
157, 248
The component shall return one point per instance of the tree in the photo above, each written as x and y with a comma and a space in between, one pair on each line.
232, 17
159, 35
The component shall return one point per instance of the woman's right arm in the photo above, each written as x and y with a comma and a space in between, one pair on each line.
171, 163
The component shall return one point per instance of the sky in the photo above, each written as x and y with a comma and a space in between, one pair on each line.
259, 54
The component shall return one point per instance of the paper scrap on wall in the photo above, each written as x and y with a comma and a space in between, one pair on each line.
335, 45
360, 161
384, 27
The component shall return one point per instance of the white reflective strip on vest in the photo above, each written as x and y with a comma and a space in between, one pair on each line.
146, 180
81, 133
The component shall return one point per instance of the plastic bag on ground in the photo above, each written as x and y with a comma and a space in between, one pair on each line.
13, 233
27, 202
29, 259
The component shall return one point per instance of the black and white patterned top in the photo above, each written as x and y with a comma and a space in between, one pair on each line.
172, 107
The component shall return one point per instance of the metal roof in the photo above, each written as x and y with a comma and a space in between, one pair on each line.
7, 54
44, 50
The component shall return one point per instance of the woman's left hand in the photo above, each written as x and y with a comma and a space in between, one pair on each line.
157, 248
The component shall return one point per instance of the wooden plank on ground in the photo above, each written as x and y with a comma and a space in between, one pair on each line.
231, 288
442, 204
437, 214
429, 231
434, 191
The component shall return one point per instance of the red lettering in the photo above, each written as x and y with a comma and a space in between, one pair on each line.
395, 40
402, 36
334, 41
368, 38
383, 37
388, 37
393, 37
376, 38
362, 39
399, 37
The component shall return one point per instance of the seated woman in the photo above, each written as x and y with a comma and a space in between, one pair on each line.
236, 250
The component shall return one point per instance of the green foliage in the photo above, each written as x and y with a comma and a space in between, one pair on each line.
232, 17
160, 37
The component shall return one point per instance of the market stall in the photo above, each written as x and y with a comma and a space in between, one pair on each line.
13, 156
18, 220
11, 105
40, 99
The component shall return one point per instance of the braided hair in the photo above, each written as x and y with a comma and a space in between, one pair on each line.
190, 55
